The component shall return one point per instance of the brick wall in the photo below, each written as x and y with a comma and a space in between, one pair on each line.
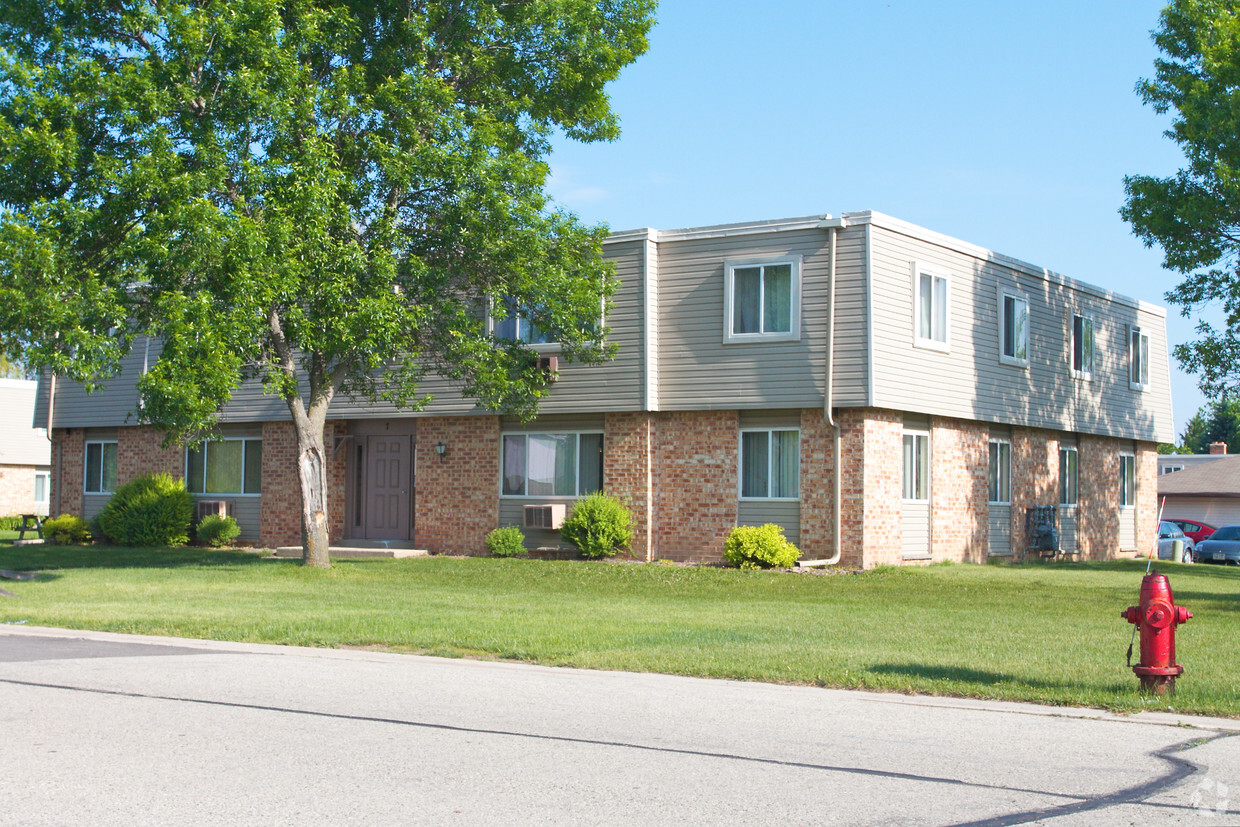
139, 451
695, 479
1097, 512
881, 448
280, 517
817, 467
959, 489
17, 491
1147, 496
627, 473
1035, 478
68, 471
456, 498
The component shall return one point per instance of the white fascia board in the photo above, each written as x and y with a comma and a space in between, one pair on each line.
922, 234
778, 225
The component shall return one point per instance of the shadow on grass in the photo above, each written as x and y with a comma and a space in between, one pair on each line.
45, 557
962, 674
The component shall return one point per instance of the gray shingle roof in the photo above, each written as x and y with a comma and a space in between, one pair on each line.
1210, 479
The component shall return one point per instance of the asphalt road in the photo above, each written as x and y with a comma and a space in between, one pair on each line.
118, 729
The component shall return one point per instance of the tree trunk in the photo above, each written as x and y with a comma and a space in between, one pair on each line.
312, 476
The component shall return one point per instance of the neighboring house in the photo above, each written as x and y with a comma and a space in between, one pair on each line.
966, 386
1170, 463
1209, 492
25, 453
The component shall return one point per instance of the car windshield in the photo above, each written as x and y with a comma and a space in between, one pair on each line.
1227, 532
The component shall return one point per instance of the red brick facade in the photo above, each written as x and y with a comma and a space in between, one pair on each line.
456, 497
695, 483
17, 490
677, 471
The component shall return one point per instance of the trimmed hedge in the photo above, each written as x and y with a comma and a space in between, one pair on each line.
66, 530
759, 547
599, 525
152, 510
506, 542
216, 531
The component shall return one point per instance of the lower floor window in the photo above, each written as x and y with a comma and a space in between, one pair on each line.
916, 466
1067, 476
552, 465
1000, 471
100, 467
770, 464
1127, 480
40, 487
225, 466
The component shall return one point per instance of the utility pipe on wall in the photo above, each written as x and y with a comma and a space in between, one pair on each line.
832, 226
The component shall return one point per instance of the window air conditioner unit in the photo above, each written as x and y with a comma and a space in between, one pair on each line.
549, 516
551, 364
224, 508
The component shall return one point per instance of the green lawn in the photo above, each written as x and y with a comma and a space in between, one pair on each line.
1046, 633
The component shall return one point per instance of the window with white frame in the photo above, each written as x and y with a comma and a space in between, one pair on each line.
1171, 469
225, 466
1013, 330
1068, 476
1138, 359
1000, 471
1082, 346
916, 477
41, 480
552, 464
762, 300
1127, 480
931, 307
509, 321
100, 468
770, 464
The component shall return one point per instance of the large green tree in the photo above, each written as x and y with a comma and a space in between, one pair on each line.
1194, 215
329, 195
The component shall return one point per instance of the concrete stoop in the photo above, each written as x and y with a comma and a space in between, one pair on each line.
362, 550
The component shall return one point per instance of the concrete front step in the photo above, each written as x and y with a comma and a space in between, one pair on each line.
356, 552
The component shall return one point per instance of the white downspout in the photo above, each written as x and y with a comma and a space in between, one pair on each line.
832, 226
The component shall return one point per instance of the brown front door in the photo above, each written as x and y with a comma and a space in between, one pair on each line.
387, 487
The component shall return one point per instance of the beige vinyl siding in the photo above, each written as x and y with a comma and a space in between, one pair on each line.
785, 514
852, 320
1000, 530
512, 512
1128, 529
554, 423
247, 511
697, 371
915, 529
970, 382
92, 504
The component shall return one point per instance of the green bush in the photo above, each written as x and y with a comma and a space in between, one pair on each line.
10, 523
759, 547
506, 542
599, 525
65, 530
152, 510
216, 531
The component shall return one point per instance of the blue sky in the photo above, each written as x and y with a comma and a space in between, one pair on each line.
1008, 125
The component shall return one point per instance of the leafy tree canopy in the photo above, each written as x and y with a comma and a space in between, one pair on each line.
328, 195
1217, 421
1194, 216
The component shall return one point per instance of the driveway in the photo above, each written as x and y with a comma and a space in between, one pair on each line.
118, 729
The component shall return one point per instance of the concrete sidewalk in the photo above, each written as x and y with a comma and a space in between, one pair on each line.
102, 728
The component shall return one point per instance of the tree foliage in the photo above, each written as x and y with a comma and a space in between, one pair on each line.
330, 196
1194, 216
1218, 421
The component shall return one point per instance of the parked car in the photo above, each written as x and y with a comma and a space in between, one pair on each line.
1223, 546
1193, 529
1168, 533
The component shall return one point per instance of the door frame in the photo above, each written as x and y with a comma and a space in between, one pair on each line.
354, 441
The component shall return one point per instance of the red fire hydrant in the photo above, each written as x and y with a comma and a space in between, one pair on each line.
1156, 618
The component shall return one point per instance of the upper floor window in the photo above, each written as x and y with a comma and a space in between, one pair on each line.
1127, 480
1138, 359
1068, 476
515, 325
552, 465
1013, 330
762, 300
100, 467
1082, 346
932, 306
1000, 471
225, 466
770, 464
916, 478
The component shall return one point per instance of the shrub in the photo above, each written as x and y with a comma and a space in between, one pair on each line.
216, 531
152, 510
10, 523
506, 542
66, 529
599, 525
759, 547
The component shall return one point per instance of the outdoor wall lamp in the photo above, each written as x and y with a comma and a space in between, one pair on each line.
442, 450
